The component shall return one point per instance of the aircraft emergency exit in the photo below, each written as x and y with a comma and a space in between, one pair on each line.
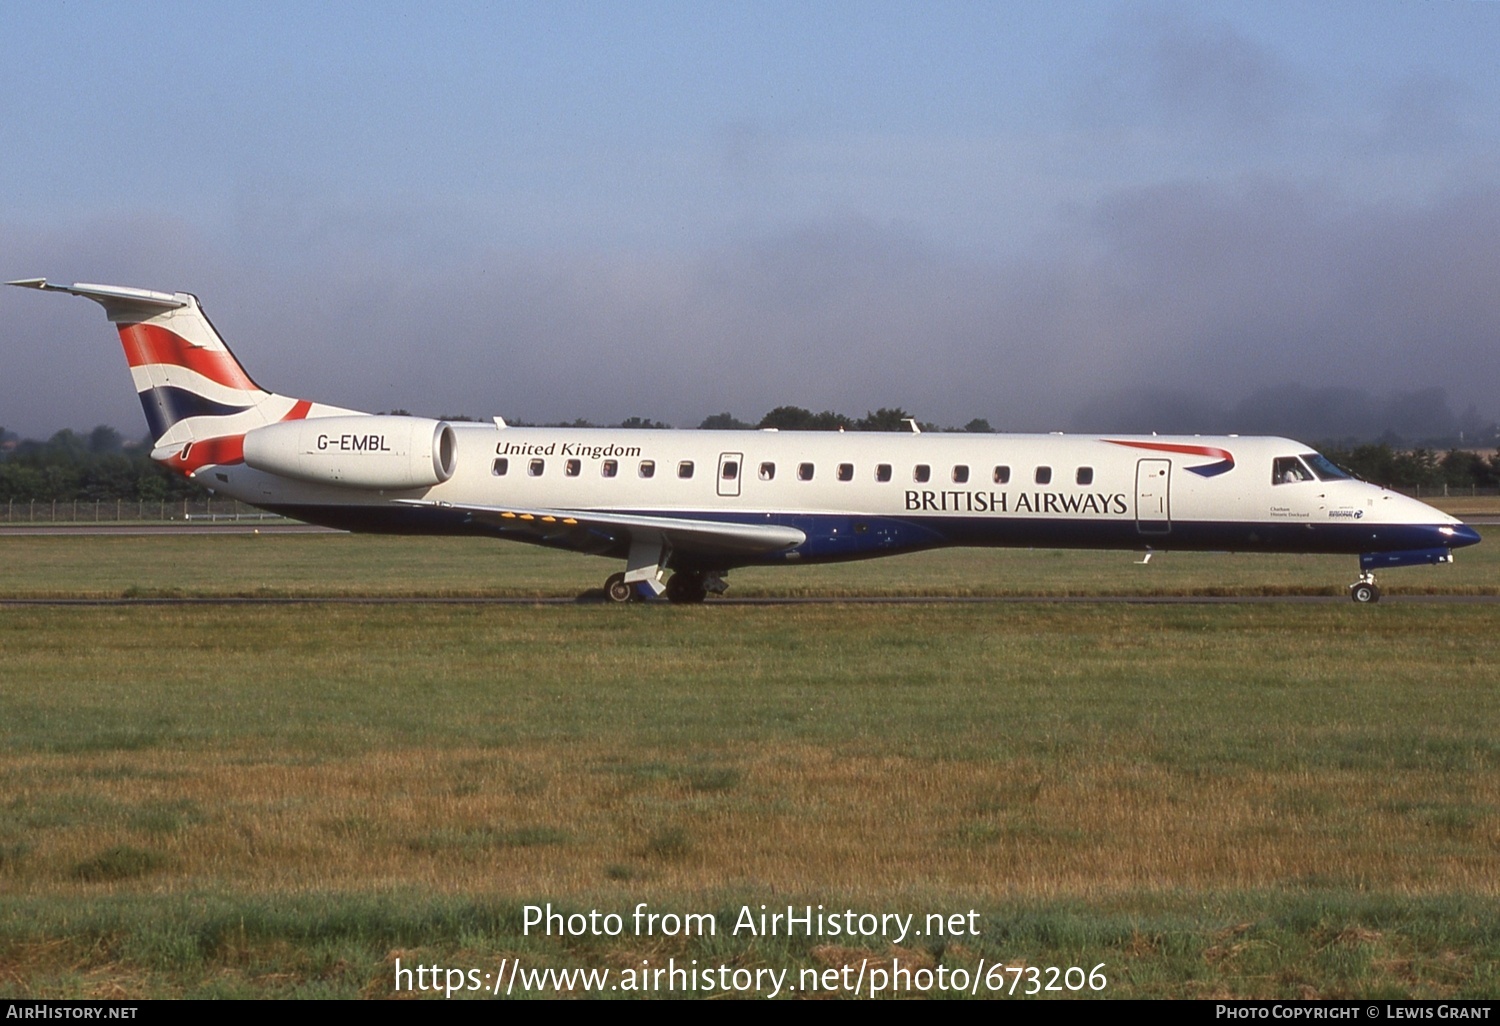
683, 508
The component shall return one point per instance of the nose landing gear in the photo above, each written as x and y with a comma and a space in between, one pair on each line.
1365, 591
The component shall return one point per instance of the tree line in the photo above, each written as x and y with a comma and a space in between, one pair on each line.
98, 466
1412, 469
102, 466
783, 418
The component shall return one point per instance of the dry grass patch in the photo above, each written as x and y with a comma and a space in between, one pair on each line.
559, 819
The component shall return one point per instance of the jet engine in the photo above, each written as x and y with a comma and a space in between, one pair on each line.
384, 452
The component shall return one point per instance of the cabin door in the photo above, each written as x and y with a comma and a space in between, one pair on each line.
1153, 496
731, 466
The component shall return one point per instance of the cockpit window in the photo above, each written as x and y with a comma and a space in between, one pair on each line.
1289, 470
1325, 468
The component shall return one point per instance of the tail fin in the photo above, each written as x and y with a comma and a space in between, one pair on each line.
191, 386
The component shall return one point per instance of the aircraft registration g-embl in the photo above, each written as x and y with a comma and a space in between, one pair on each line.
683, 508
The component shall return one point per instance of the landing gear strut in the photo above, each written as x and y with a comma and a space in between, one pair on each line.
1364, 591
642, 578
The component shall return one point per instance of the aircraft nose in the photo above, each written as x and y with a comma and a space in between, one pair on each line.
1459, 535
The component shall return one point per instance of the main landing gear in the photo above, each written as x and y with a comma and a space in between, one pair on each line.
1365, 591
684, 586
616, 590
645, 576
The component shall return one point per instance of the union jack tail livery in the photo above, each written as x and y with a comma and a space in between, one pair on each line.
199, 401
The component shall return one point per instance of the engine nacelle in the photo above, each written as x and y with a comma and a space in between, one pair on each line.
385, 452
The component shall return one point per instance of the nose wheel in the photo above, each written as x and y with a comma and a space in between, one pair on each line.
1364, 591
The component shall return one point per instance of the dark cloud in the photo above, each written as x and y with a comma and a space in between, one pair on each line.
1172, 67
1242, 284
1285, 291
1422, 112
1310, 414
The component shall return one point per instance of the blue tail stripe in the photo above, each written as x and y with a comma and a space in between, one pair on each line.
166, 405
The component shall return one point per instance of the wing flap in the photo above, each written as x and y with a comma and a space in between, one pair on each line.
714, 537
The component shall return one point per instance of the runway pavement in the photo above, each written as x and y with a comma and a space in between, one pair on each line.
93, 530
597, 598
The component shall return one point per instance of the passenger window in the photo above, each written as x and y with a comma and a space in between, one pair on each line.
1002, 475
609, 468
685, 469
883, 472
535, 467
1289, 470
960, 474
846, 472
1085, 475
731, 470
1043, 475
921, 473
501, 467
767, 471
572, 467
648, 468
804, 472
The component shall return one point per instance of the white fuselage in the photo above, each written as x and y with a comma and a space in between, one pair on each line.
1119, 492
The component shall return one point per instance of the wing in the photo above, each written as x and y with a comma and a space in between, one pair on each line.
592, 530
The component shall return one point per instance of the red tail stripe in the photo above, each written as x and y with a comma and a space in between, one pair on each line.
149, 343
225, 450
229, 449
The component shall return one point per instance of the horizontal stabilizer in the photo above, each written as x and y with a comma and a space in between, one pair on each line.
116, 299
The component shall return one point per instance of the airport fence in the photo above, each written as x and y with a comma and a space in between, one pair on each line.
1444, 491
124, 511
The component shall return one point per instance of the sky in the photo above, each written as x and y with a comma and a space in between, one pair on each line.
1061, 216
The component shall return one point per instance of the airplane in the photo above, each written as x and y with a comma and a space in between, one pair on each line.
683, 508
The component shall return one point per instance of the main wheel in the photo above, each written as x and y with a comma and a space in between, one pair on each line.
686, 587
1364, 592
617, 590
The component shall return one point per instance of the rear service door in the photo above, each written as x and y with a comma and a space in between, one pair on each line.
731, 465
1153, 496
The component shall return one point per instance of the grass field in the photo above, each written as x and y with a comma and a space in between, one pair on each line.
1263, 800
